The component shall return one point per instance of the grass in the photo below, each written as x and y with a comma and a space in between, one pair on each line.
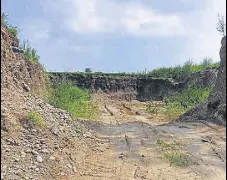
36, 119
76, 101
172, 152
188, 99
177, 72
30, 53
179, 103
181, 72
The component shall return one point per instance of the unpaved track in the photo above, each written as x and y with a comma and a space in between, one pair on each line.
127, 149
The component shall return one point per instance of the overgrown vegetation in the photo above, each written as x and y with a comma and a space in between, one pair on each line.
76, 101
36, 119
179, 103
188, 99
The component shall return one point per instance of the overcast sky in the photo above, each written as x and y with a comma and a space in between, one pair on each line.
118, 35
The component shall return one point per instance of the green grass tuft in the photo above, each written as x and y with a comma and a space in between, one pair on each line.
35, 119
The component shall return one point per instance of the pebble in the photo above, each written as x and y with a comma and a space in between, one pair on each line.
121, 155
39, 159
45, 151
34, 152
28, 150
17, 159
69, 166
36, 169
52, 158
74, 169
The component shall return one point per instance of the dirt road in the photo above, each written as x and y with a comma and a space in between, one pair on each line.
126, 145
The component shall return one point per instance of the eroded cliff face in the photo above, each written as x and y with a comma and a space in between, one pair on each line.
16, 72
18, 78
143, 88
214, 110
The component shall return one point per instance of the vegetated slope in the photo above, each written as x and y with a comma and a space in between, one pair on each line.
214, 109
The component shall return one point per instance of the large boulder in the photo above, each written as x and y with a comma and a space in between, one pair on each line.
214, 110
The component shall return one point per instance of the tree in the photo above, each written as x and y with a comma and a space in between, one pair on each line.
221, 26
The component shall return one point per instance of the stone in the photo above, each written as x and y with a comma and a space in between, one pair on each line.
17, 159
34, 152
36, 169
52, 158
45, 151
74, 169
39, 159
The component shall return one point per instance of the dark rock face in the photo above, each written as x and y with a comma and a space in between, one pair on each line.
214, 110
143, 88
202, 78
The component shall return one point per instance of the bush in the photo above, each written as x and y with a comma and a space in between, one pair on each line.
35, 118
74, 100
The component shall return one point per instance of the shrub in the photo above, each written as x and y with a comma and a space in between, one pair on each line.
74, 100
35, 119
30, 54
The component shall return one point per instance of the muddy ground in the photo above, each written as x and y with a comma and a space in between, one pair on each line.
126, 143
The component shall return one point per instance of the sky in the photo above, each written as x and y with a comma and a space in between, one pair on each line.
118, 35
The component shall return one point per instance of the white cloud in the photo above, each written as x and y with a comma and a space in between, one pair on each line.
108, 16
205, 40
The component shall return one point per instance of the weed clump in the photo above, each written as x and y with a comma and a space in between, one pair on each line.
76, 101
35, 118
188, 99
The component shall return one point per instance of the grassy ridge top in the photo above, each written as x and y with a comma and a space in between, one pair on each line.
164, 72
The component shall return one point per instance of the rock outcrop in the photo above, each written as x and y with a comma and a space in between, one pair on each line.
214, 110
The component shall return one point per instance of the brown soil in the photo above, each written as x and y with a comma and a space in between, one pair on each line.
125, 145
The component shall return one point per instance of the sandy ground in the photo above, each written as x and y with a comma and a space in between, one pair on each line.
127, 145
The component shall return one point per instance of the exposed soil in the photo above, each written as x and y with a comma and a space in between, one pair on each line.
127, 146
